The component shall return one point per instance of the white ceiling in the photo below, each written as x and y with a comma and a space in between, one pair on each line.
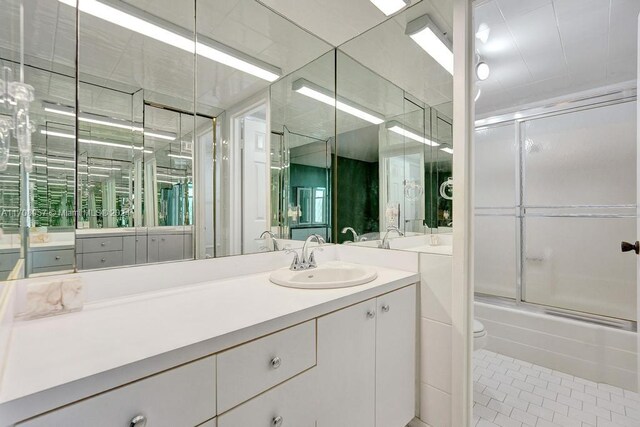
390, 53
335, 21
541, 49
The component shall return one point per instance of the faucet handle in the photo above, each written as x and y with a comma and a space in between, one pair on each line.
312, 257
295, 264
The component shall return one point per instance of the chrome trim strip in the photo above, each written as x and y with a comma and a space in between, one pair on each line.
611, 322
613, 96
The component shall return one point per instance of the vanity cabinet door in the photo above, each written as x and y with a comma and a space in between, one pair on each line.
170, 247
396, 358
153, 248
141, 249
346, 367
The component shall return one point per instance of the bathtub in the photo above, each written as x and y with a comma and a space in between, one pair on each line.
597, 353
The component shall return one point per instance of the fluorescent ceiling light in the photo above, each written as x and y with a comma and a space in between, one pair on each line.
108, 121
325, 96
396, 127
429, 37
389, 7
179, 156
482, 70
160, 134
93, 141
142, 22
104, 168
447, 150
58, 134
94, 174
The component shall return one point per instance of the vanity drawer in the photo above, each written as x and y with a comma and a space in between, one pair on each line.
101, 244
101, 260
248, 370
181, 397
293, 403
53, 258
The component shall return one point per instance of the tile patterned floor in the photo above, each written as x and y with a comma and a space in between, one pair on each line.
508, 392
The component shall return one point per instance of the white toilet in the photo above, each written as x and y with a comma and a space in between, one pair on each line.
479, 335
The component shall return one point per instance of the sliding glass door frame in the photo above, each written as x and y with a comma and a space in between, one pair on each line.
623, 95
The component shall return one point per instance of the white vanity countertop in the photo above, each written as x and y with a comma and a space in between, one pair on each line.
57, 360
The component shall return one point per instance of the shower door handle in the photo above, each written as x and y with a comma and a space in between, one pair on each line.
627, 247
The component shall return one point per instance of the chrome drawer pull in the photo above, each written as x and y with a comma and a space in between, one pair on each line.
277, 421
138, 421
276, 362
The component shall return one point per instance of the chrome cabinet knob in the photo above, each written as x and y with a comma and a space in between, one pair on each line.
138, 421
277, 421
371, 314
58, 258
102, 260
276, 362
103, 244
386, 308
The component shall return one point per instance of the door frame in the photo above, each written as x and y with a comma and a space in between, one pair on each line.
235, 175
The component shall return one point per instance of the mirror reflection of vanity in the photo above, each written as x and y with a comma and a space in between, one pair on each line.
145, 152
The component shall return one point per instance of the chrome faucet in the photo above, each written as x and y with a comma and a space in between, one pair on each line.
306, 260
276, 246
356, 238
385, 241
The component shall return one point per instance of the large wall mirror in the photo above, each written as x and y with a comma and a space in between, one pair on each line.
394, 137
166, 131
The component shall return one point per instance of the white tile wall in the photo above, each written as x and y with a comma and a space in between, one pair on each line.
7, 299
436, 335
597, 353
511, 392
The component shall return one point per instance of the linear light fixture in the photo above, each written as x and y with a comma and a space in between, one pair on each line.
429, 37
142, 22
108, 121
94, 174
92, 141
325, 96
389, 7
179, 156
395, 126
447, 150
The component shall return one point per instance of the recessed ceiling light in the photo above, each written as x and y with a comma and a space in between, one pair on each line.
429, 37
389, 7
325, 96
482, 70
141, 22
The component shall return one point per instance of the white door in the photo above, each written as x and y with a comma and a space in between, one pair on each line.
396, 358
254, 183
346, 367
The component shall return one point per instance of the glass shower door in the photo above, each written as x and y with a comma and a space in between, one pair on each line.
579, 203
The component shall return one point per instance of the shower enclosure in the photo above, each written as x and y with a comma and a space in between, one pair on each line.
555, 196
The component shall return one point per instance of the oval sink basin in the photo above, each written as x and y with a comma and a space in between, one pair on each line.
328, 276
